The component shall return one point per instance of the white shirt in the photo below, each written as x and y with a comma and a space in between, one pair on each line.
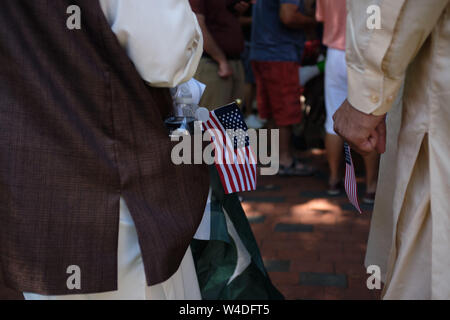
161, 37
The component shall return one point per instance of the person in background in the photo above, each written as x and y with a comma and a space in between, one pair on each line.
252, 120
277, 44
333, 14
220, 68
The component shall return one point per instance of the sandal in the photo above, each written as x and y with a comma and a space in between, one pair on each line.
293, 170
335, 189
369, 198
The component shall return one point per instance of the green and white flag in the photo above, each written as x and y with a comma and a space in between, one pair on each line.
227, 258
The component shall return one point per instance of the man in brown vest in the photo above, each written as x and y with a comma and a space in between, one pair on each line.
89, 196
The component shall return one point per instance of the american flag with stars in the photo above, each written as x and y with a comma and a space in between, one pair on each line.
350, 179
234, 158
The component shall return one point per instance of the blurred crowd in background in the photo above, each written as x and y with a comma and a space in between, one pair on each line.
285, 60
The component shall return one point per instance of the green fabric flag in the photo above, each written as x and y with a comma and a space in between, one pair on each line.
216, 259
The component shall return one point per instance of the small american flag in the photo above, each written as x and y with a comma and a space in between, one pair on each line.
234, 158
350, 179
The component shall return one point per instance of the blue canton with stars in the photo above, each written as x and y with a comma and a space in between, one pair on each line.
231, 118
347, 154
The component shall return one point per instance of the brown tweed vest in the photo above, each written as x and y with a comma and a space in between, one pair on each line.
78, 130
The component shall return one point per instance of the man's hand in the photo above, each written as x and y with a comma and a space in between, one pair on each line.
225, 69
364, 132
241, 7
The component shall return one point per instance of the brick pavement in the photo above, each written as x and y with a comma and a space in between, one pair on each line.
313, 245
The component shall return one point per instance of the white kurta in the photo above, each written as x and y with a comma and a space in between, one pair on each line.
162, 38
164, 41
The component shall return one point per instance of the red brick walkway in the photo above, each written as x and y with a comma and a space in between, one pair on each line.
313, 245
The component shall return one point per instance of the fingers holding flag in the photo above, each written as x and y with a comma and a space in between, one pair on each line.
363, 132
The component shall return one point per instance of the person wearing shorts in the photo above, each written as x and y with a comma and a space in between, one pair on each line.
277, 44
333, 15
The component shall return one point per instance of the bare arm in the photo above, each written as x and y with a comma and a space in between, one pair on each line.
213, 50
292, 18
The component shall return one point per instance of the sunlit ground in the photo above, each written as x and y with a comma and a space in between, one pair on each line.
313, 245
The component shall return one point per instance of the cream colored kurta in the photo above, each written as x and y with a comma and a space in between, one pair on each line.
410, 230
